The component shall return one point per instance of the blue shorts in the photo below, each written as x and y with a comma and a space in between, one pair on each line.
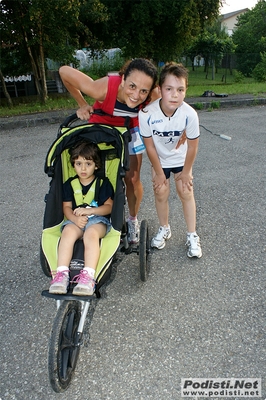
175, 170
95, 219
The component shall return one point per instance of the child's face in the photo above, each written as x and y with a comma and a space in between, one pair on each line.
173, 92
84, 168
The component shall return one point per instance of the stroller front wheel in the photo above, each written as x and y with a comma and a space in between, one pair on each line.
64, 345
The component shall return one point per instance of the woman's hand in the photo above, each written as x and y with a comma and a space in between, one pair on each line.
84, 113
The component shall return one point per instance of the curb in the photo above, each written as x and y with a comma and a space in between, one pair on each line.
225, 102
57, 117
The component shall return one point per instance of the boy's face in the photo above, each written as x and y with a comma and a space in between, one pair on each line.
84, 168
173, 92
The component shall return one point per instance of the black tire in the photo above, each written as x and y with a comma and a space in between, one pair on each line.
64, 345
144, 251
44, 264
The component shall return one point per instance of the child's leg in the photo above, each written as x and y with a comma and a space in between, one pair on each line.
91, 237
161, 202
70, 234
188, 203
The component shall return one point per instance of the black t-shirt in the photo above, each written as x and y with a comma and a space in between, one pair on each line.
106, 191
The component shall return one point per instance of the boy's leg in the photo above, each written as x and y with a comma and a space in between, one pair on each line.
161, 202
188, 203
189, 209
162, 207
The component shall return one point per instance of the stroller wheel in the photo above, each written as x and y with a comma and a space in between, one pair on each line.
144, 251
44, 264
64, 345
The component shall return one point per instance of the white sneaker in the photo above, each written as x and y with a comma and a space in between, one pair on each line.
193, 244
133, 231
60, 282
163, 234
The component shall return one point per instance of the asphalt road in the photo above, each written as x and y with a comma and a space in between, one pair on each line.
192, 318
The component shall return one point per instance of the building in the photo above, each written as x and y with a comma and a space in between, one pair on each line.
229, 20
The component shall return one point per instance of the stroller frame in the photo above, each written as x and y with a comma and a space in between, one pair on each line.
68, 326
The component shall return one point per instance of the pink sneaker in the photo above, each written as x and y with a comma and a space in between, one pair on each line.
60, 282
86, 284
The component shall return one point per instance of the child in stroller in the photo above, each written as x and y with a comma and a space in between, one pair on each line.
113, 145
83, 220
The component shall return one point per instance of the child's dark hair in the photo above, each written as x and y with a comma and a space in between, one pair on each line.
173, 68
88, 150
142, 65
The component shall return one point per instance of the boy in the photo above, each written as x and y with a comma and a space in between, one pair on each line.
170, 128
83, 219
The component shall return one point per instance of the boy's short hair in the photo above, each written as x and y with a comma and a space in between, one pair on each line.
88, 150
173, 68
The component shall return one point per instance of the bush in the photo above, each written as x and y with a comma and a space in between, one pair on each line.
238, 77
259, 72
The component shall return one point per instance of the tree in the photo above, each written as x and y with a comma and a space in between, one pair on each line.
157, 29
40, 29
212, 45
249, 38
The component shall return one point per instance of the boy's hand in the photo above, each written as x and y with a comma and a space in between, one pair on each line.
187, 180
158, 181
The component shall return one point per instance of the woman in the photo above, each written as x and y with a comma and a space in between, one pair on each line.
118, 96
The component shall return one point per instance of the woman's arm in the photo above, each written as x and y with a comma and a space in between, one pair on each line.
77, 83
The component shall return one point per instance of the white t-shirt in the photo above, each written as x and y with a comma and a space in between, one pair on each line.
169, 133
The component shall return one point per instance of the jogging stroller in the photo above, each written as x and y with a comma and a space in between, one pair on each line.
67, 330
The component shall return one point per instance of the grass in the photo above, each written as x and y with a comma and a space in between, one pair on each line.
198, 84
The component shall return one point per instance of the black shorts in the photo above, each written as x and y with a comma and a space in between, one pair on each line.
175, 170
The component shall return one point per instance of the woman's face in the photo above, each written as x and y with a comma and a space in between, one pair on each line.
136, 88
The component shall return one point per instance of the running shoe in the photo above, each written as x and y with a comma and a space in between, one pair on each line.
193, 244
133, 231
163, 234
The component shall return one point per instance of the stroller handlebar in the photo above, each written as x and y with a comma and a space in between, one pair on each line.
69, 120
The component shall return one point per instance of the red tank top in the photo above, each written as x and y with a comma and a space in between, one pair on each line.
111, 106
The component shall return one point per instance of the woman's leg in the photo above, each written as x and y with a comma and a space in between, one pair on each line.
134, 188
